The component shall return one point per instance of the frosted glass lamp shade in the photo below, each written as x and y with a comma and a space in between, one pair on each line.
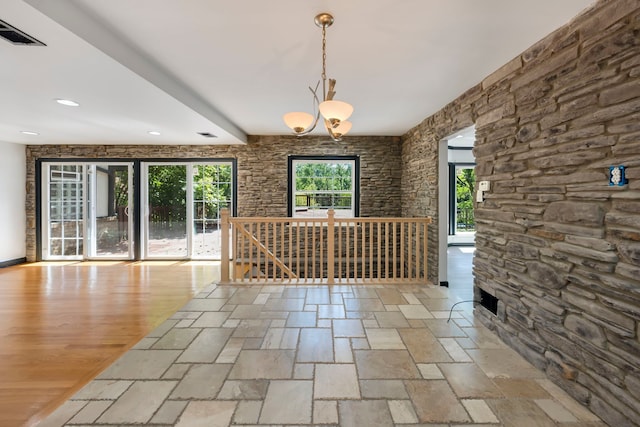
335, 111
342, 128
298, 121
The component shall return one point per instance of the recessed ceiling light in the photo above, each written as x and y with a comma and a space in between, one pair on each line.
459, 136
29, 132
154, 132
67, 102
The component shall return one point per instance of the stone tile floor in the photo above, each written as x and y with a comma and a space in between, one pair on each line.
322, 355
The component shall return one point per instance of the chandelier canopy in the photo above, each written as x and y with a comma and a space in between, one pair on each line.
334, 113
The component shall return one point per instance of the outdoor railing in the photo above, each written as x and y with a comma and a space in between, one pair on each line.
465, 220
324, 250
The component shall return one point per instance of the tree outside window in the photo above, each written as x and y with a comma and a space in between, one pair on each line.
319, 185
465, 184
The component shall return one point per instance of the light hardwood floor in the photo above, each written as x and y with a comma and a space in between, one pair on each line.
63, 323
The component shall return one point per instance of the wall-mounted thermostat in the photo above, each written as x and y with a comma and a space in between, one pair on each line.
482, 187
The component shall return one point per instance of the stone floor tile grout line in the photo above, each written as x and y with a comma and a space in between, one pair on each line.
248, 368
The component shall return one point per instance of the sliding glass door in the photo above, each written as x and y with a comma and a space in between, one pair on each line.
87, 209
211, 190
182, 208
165, 222
109, 209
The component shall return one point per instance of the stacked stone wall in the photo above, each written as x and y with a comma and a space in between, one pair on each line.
262, 170
556, 244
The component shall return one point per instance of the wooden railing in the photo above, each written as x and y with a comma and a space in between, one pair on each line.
324, 250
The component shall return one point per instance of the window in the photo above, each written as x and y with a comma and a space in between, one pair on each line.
317, 184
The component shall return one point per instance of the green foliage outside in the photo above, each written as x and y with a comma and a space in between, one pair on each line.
121, 185
324, 185
211, 190
167, 197
167, 191
465, 184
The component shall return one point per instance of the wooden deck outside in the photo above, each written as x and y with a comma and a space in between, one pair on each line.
63, 323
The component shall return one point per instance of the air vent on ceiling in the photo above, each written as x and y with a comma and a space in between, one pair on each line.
15, 36
207, 134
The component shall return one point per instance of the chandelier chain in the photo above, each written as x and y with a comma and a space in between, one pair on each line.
324, 52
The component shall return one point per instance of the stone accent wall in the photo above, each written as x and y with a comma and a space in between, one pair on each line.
262, 170
557, 245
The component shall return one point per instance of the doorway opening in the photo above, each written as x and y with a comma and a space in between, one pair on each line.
457, 225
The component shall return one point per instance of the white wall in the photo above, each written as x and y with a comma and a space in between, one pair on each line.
13, 173
461, 156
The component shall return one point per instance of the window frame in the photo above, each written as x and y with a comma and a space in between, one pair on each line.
295, 159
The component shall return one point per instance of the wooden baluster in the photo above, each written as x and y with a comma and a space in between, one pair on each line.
363, 249
394, 249
402, 250
305, 249
418, 249
298, 225
224, 261
347, 250
355, 249
330, 246
371, 238
313, 250
290, 229
426, 249
322, 245
410, 250
340, 250
279, 244
378, 276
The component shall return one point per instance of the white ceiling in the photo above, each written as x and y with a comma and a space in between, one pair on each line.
233, 68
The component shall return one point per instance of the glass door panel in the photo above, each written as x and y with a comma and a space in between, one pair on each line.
109, 229
166, 211
212, 189
63, 219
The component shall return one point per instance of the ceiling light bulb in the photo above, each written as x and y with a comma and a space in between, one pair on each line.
154, 132
67, 102
298, 121
335, 111
343, 128
29, 132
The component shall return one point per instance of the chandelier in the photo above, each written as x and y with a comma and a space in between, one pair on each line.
334, 113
